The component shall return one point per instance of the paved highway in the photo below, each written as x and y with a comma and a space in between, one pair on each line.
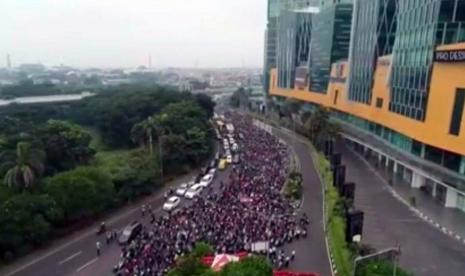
79, 256
76, 255
388, 223
311, 253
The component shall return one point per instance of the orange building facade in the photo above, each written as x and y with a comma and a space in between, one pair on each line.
434, 132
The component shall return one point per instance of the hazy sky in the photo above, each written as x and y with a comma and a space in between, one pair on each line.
121, 33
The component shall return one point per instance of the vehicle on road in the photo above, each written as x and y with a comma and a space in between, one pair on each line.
212, 171
212, 164
130, 232
206, 180
102, 229
222, 164
182, 189
236, 159
229, 159
171, 203
193, 191
168, 193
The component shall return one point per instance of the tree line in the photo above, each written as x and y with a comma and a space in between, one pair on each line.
57, 177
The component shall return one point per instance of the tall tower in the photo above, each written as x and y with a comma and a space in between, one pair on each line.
8, 61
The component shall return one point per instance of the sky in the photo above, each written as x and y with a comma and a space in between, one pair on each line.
122, 33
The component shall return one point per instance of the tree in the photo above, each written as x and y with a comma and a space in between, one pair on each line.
26, 219
133, 173
380, 268
26, 169
143, 133
319, 128
239, 98
66, 145
206, 103
192, 263
250, 266
81, 193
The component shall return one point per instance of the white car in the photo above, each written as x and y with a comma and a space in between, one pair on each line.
193, 191
182, 189
229, 159
206, 180
171, 203
212, 171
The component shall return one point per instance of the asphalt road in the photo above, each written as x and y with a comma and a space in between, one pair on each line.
79, 256
311, 253
76, 255
425, 250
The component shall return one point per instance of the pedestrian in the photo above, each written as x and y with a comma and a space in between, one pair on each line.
97, 245
142, 210
292, 254
108, 237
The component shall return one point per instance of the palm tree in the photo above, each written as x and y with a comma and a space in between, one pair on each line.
26, 169
145, 132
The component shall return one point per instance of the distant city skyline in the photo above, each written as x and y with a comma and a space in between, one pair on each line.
123, 33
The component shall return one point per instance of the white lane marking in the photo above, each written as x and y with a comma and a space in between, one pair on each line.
92, 231
87, 264
70, 258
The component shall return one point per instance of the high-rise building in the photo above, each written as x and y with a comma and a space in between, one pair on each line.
294, 36
275, 8
330, 42
373, 35
391, 73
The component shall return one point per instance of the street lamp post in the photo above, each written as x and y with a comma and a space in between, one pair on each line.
160, 152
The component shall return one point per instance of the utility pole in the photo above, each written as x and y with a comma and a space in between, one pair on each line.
160, 152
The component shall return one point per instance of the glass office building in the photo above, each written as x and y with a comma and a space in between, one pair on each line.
373, 35
330, 43
392, 73
422, 25
294, 37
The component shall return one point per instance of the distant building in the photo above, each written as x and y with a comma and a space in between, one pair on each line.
32, 68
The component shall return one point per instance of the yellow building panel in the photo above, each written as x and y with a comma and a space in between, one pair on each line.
446, 78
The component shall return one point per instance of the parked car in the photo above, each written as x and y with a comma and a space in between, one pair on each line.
130, 232
182, 189
206, 180
171, 203
193, 191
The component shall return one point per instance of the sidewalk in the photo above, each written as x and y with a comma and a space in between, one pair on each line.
450, 221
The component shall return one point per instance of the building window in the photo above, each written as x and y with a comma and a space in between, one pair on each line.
379, 102
433, 154
336, 95
457, 112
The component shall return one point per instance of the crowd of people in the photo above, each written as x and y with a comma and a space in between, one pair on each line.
248, 208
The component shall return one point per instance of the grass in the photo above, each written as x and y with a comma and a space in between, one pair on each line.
335, 227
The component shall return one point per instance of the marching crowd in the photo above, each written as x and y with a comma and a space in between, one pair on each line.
248, 208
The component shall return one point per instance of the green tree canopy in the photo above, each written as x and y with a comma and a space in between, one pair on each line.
81, 192
66, 145
25, 219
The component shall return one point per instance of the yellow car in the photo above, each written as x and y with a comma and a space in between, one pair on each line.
222, 164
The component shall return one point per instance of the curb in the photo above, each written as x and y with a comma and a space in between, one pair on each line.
332, 263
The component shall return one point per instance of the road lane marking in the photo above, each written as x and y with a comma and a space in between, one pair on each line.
70, 258
90, 232
87, 264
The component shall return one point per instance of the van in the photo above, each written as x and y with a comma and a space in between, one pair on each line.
222, 164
